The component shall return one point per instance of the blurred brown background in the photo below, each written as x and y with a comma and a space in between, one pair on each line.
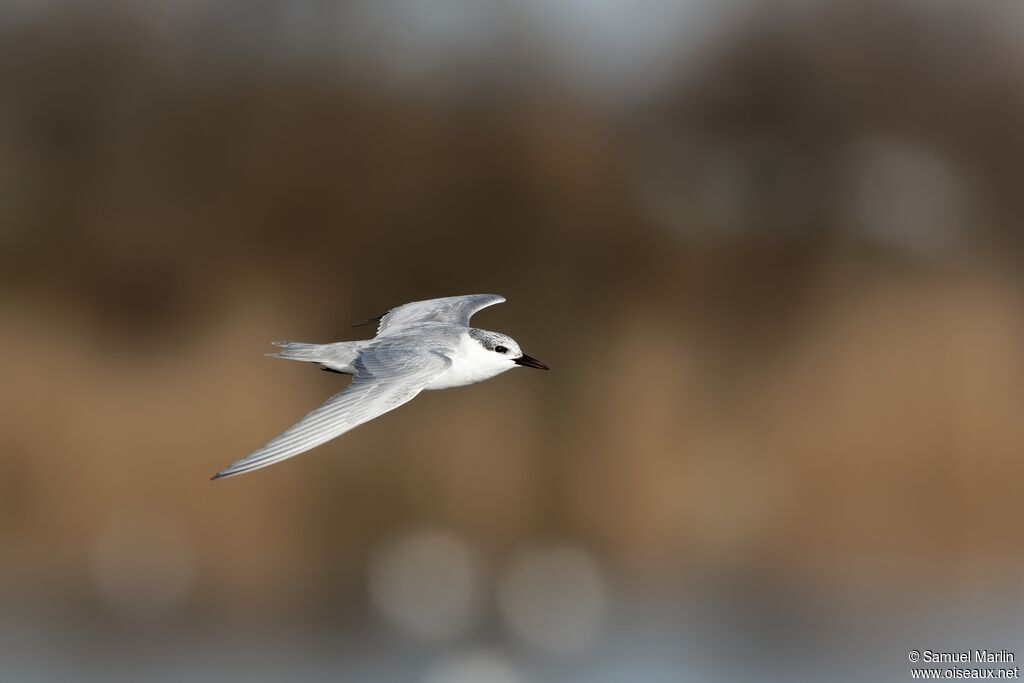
771, 251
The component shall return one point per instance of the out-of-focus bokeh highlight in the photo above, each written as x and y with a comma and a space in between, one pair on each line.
771, 251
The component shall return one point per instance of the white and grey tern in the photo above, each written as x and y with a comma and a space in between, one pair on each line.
419, 346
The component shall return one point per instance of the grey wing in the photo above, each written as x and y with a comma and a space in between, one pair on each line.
454, 310
384, 379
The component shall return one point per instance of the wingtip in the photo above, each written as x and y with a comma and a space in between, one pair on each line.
219, 475
369, 321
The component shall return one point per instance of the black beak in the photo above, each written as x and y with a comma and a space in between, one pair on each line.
529, 362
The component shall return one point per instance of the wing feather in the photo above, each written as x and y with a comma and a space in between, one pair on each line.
453, 310
385, 378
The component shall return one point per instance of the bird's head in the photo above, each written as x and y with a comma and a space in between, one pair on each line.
503, 351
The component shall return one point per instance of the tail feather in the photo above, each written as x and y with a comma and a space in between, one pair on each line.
337, 357
299, 351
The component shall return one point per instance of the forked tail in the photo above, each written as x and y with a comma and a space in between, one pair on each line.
337, 357
311, 353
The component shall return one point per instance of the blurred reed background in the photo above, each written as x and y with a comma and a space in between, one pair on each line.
771, 251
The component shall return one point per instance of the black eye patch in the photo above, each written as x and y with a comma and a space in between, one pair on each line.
501, 349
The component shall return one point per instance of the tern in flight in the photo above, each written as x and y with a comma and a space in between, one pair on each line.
421, 345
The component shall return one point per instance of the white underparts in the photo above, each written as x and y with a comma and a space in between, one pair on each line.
471, 363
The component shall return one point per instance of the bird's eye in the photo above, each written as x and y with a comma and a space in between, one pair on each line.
501, 349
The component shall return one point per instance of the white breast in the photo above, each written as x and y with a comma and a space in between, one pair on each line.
471, 363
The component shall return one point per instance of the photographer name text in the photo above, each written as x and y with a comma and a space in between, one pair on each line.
990, 656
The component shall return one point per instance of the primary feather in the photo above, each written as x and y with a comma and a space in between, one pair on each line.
385, 378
